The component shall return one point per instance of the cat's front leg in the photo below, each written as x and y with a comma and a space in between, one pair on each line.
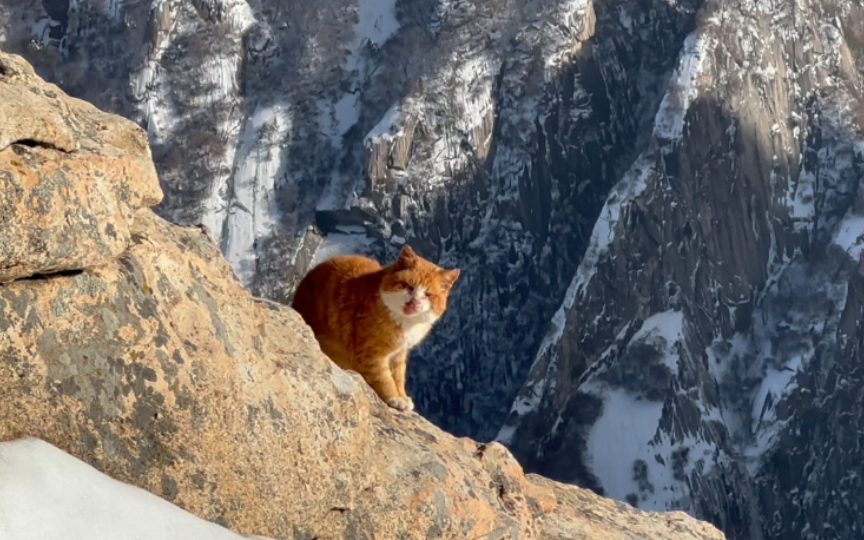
398, 366
380, 378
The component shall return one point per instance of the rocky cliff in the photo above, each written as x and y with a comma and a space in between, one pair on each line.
130, 343
654, 204
485, 133
713, 331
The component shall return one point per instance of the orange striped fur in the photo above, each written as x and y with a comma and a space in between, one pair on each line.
367, 318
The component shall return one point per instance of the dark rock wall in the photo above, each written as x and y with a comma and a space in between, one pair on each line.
745, 228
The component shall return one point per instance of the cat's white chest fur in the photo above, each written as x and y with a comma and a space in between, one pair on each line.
414, 334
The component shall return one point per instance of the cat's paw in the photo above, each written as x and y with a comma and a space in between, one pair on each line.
401, 404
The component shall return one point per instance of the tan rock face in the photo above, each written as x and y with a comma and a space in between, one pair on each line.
159, 368
71, 177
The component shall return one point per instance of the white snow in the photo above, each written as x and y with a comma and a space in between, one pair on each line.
387, 127
505, 434
527, 403
668, 325
253, 213
473, 103
40, 30
802, 201
627, 431
562, 26
849, 235
619, 437
376, 22
683, 87
46, 494
340, 244
216, 72
776, 383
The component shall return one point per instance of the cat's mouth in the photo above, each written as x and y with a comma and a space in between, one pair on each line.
412, 307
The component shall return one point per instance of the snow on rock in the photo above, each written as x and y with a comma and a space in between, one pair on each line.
850, 235
167, 109
563, 23
783, 343
625, 192
628, 449
635, 460
619, 444
387, 127
46, 494
344, 243
683, 87
630, 187
669, 327
253, 211
376, 22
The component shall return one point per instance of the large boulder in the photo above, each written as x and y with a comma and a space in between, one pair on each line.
150, 361
71, 177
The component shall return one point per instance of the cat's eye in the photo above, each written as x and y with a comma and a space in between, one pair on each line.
402, 285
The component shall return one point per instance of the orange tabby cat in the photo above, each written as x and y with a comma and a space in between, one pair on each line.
367, 318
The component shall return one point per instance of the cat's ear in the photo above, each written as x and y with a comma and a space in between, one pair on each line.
407, 258
449, 277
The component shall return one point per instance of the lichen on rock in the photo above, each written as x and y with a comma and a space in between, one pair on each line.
71, 178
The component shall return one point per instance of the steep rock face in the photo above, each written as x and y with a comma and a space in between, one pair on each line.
704, 357
486, 134
160, 369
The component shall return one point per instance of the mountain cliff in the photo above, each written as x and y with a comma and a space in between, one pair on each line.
654, 205
130, 343
486, 134
712, 333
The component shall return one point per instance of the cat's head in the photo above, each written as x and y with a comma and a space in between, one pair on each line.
415, 289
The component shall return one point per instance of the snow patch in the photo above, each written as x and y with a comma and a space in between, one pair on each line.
254, 213
335, 244
217, 73
376, 22
505, 434
668, 325
850, 235
631, 456
562, 27
388, 127
46, 494
683, 87
802, 201
621, 436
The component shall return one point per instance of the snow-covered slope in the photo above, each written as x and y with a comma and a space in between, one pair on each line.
46, 494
